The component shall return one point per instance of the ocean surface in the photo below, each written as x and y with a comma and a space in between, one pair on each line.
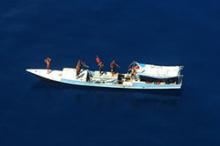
39, 113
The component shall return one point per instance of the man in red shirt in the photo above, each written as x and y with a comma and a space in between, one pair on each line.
100, 64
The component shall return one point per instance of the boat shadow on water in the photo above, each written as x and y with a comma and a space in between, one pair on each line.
136, 98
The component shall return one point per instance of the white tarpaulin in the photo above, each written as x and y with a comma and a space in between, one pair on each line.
158, 71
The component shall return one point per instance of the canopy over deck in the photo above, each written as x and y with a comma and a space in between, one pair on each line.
156, 71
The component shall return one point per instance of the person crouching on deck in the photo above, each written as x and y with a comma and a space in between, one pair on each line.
100, 64
80, 65
113, 66
47, 61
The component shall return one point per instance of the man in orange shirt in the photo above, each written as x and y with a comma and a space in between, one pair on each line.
47, 61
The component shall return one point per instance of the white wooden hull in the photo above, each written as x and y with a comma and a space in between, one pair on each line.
69, 77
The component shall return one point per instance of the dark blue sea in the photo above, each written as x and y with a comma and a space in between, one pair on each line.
40, 113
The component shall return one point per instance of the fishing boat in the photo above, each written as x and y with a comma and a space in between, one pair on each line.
147, 76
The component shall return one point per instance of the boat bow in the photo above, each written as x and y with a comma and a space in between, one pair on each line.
54, 75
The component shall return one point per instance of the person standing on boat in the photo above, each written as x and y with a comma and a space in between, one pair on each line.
78, 67
47, 61
113, 66
100, 64
133, 73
